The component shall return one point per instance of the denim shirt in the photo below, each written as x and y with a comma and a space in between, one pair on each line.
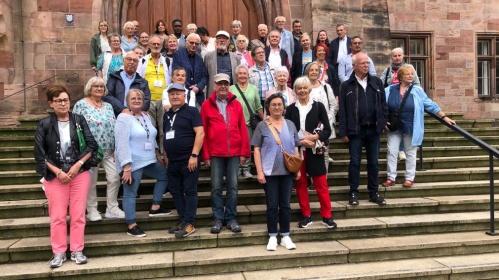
272, 157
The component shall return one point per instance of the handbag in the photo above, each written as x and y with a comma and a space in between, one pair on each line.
292, 162
254, 117
83, 145
394, 118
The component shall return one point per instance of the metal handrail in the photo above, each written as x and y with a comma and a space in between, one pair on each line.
74, 74
493, 152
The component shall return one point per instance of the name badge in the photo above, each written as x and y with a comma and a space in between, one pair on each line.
158, 83
170, 135
148, 146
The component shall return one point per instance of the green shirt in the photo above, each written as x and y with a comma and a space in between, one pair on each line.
253, 98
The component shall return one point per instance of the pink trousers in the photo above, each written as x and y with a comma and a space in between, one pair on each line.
60, 196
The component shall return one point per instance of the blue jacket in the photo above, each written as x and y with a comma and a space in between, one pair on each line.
194, 76
348, 104
421, 103
116, 91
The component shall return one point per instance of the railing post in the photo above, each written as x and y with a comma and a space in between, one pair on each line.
492, 201
421, 168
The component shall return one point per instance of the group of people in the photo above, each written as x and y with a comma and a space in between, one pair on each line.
146, 112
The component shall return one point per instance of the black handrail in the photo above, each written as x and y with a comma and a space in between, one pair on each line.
493, 152
38, 83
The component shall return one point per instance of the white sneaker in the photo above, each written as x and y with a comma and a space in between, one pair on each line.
330, 160
287, 243
94, 216
272, 245
247, 174
114, 213
402, 156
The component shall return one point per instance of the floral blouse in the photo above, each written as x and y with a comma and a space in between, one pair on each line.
100, 121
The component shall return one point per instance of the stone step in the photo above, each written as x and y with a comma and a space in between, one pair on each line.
254, 200
334, 178
247, 213
428, 152
339, 165
479, 266
17, 141
456, 253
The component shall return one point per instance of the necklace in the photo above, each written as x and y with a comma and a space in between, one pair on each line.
98, 104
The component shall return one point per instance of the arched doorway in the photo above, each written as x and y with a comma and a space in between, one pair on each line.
212, 14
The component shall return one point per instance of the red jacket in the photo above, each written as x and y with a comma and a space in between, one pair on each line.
222, 139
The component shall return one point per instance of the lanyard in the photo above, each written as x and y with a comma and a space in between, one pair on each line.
143, 125
172, 119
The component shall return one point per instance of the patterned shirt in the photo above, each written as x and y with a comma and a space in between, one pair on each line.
100, 122
266, 80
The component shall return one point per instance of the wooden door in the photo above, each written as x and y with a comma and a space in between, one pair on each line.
213, 14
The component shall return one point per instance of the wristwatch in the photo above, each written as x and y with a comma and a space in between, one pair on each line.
194, 155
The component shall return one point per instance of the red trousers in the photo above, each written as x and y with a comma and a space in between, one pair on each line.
320, 183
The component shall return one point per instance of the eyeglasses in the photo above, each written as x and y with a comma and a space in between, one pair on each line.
193, 43
223, 83
156, 44
364, 63
61, 101
98, 86
136, 99
276, 105
134, 60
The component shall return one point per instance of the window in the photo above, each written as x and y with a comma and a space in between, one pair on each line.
416, 48
487, 50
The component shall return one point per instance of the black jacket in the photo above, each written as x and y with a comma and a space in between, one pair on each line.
333, 50
116, 91
47, 144
282, 53
348, 104
297, 66
314, 162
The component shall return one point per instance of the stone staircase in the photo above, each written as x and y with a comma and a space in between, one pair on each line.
434, 230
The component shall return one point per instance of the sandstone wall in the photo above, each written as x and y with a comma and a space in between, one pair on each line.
454, 24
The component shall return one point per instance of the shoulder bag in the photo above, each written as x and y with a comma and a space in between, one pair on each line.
83, 145
292, 162
394, 118
254, 117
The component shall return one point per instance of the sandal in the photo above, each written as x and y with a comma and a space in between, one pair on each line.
408, 183
389, 183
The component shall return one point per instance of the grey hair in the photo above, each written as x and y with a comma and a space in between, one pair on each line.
302, 82
281, 69
245, 39
195, 35
92, 81
137, 91
398, 49
242, 66
128, 23
236, 22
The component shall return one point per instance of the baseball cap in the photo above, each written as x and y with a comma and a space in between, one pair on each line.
221, 77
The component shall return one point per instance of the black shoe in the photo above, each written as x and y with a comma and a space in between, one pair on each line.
305, 222
375, 198
354, 199
159, 212
234, 226
176, 227
216, 227
328, 222
186, 230
136, 232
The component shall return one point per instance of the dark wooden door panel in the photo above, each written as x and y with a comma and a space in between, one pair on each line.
212, 14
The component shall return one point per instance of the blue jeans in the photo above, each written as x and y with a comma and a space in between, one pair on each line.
228, 166
153, 170
278, 196
183, 186
369, 138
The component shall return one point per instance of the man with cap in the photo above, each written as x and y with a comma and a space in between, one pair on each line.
221, 60
226, 146
184, 136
